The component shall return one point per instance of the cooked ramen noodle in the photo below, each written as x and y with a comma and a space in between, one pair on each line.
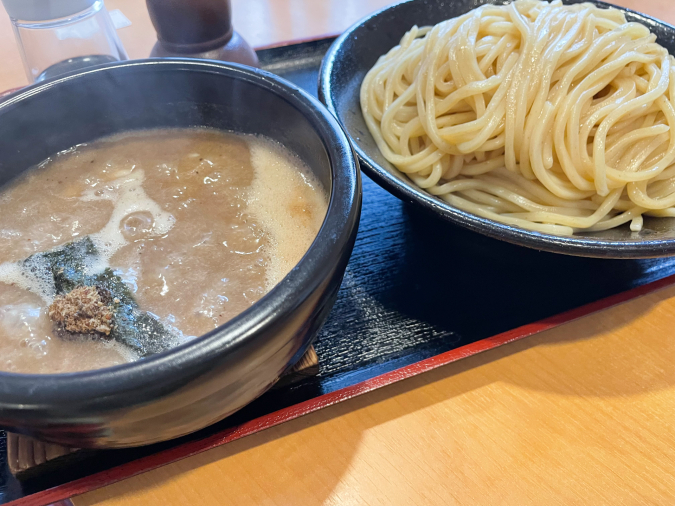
554, 118
131, 245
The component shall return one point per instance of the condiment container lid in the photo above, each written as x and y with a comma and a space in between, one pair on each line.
44, 10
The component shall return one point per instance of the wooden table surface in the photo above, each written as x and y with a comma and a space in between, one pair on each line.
583, 414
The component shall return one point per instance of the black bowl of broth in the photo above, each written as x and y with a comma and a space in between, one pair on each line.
357, 50
174, 234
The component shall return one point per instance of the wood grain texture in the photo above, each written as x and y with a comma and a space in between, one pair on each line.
25, 453
577, 415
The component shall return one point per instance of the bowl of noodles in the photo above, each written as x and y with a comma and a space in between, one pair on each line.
547, 125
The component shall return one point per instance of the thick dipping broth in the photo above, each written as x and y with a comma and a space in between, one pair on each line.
178, 230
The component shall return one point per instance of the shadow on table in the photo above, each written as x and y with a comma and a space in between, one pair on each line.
458, 285
601, 340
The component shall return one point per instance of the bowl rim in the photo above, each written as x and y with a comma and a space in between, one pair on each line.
33, 392
409, 193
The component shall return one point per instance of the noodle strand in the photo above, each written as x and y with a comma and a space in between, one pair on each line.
550, 117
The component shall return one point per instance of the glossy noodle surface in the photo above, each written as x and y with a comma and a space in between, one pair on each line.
555, 118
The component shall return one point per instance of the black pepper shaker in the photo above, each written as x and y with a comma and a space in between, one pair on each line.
198, 29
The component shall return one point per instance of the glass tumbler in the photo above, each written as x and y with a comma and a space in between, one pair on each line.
59, 36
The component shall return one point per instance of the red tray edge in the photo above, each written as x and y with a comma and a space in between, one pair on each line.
185, 450
68, 490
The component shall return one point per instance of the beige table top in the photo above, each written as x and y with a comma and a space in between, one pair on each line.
583, 414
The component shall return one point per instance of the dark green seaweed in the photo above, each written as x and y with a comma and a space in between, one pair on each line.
132, 327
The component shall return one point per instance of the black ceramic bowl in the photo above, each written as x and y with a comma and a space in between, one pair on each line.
205, 380
357, 50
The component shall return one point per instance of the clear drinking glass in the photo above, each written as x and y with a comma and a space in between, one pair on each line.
59, 36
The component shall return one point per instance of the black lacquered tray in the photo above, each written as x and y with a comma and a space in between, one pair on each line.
418, 293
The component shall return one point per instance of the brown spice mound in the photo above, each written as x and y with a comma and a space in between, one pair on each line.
85, 310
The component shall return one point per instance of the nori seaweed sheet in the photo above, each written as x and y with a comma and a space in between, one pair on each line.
132, 327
